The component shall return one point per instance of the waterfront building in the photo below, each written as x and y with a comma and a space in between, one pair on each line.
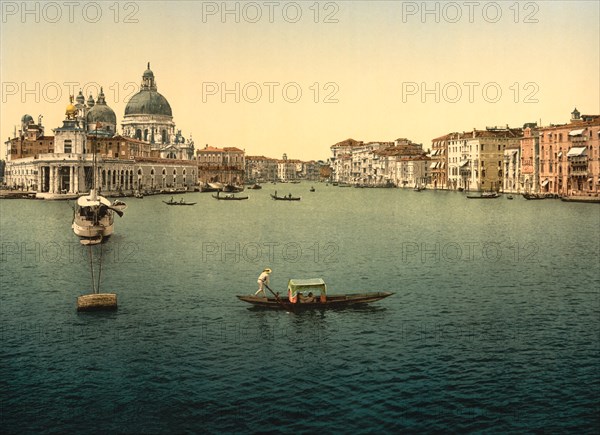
404, 164
530, 159
511, 169
289, 169
312, 170
456, 143
439, 161
261, 168
341, 160
224, 165
570, 156
367, 167
379, 163
475, 158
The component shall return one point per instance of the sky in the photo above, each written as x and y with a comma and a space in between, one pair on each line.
279, 77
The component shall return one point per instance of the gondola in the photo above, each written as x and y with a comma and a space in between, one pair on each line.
297, 297
337, 301
286, 198
181, 202
229, 197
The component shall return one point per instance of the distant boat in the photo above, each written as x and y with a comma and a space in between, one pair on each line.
312, 189
588, 199
232, 188
484, 195
255, 186
206, 187
509, 197
533, 196
229, 197
180, 202
215, 185
285, 198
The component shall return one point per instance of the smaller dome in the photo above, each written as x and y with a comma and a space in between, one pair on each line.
90, 101
26, 119
101, 113
80, 98
71, 110
148, 73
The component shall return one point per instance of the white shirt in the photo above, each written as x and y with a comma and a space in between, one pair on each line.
264, 277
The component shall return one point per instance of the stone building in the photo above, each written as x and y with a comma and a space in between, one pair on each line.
223, 165
530, 159
570, 156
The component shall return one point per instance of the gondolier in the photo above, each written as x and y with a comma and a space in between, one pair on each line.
262, 280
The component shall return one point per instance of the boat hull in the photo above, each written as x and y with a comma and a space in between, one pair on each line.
336, 301
229, 198
179, 203
87, 229
285, 198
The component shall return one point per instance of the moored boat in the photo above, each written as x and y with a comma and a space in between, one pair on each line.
484, 195
533, 196
588, 199
93, 218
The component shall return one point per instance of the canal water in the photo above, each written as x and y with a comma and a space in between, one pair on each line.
494, 325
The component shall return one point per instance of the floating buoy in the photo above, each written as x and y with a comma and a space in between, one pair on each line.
97, 302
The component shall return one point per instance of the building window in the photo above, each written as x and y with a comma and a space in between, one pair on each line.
68, 146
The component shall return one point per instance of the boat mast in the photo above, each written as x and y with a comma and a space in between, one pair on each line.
94, 168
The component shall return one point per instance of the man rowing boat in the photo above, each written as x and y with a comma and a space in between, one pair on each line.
262, 280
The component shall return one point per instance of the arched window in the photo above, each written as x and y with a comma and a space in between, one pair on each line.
164, 136
138, 134
145, 135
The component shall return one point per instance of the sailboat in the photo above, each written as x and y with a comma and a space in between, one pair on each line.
94, 216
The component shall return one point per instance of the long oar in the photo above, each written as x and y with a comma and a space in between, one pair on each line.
276, 297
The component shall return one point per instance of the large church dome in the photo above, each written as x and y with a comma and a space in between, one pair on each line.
148, 101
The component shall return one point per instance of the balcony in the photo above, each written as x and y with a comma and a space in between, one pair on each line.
579, 139
578, 172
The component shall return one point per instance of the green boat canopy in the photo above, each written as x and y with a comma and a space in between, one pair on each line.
296, 285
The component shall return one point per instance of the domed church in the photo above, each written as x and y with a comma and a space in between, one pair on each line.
148, 117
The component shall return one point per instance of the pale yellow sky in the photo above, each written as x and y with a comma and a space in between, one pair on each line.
381, 66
